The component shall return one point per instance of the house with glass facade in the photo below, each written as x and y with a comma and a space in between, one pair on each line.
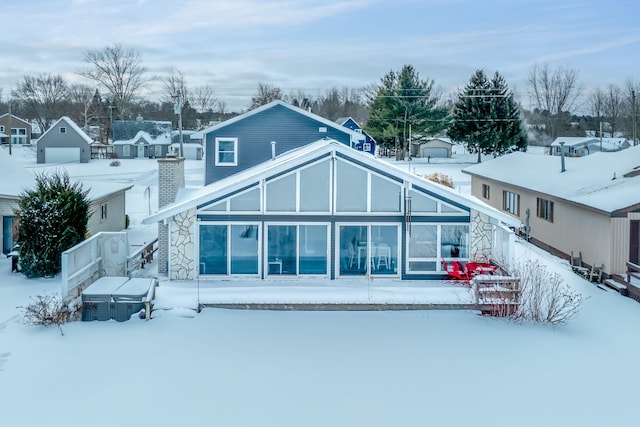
325, 210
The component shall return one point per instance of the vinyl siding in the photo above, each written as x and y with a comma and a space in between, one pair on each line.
288, 128
115, 214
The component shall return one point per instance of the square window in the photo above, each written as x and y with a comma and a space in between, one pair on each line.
63, 129
511, 202
226, 152
545, 209
366, 146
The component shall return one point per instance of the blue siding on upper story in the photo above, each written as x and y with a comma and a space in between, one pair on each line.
288, 128
360, 146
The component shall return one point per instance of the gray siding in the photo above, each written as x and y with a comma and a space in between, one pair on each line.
288, 128
115, 220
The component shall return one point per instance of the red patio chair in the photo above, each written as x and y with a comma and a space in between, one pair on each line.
455, 270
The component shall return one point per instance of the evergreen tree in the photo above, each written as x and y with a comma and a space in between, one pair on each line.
401, 103
52, 218
486, 117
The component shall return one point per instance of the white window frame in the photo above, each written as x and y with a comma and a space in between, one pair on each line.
126, 151
511, 202
217, 161
336, 248
296, 224
63, 129
366, 146
439, 256
259, 229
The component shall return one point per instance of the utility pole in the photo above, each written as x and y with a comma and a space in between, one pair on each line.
633, 108
9, 126
177, 108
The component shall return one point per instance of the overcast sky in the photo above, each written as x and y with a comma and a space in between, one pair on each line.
312, 45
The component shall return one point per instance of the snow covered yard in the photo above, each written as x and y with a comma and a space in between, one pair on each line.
292, 368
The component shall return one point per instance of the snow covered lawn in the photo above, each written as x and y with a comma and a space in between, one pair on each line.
291, 368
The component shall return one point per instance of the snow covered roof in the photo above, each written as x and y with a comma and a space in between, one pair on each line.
355, 136
162, 139
100, 189
597, 181
572, 141
192, 197
72, 125
15, 177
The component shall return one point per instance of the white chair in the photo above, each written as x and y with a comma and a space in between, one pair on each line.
383, 252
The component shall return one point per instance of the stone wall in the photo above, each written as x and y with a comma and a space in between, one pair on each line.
182, 248
481, 235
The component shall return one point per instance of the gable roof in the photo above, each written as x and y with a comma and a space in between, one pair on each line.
597, 181
161, 139
191, 198
355, 136
14, 117
72, 125
572, 141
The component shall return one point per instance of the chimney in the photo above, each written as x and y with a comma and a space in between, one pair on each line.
170, 180
562, 156
273, 150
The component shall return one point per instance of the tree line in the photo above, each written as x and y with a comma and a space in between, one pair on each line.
400, 106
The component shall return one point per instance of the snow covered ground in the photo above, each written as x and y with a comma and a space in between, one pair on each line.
282, 368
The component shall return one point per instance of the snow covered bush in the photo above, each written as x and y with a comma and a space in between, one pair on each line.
545, 298
49, 310
52, 218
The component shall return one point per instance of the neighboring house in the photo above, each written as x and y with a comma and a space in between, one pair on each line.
19, 129
64, 142
156, 142
368, 145
142, 145
192, 147
107, 201
322, 210
253, 137
593, 207
439, 147
574, 146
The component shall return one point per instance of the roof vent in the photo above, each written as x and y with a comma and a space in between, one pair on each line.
273, 150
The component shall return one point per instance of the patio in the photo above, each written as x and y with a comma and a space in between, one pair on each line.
320, 294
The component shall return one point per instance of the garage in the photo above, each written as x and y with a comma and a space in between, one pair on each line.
62, 155
435, 152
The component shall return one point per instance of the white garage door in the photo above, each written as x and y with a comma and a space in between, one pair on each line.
62, 155
434, 152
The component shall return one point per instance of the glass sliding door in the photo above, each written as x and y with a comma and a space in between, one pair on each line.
297, 249
244, 249
229, 249
368, 249
213, 249
313, 249
281, 249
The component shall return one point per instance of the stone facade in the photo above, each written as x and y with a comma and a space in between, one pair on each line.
481, 235
170, 179
182, 249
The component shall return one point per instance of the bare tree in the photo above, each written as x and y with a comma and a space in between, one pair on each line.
175, 87
119, 71
203, 98
265, 94
632, 89
44, 98
596, 104
82, 96
556, 91
613, 106
222, 107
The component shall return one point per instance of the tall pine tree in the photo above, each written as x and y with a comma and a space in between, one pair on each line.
403, 102
486, 117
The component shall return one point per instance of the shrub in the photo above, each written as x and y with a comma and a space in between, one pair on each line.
115, 163
545, 296
49, 310
441, 178
52, 218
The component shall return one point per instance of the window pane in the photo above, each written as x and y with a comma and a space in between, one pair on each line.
281, 258
226, 157
351, 188
314, 188
446, 208
454, 241
353, 250
281, 194
385, 195
422, 242
244, 249
422, 203
313, 249
213, 249
384, 249
247, 202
